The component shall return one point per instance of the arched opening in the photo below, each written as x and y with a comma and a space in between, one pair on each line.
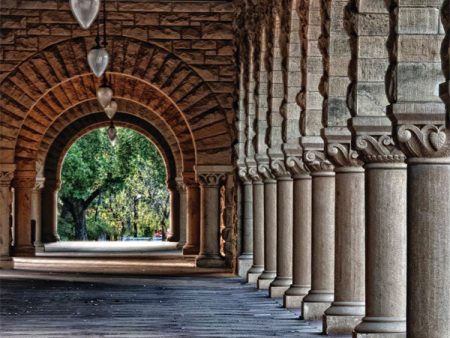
113, 192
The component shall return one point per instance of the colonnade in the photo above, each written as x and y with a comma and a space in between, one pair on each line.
344, 109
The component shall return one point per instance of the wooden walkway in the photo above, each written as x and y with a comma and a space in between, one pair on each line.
136, 306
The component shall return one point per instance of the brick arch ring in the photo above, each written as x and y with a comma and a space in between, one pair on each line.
36, 92
79, 117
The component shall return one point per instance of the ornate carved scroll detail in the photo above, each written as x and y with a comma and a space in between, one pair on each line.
279, 168
254, 174
211, 180
243, 175
316, 161
296, 166
379, 149
342, 155
6, 177
426, 141
266, 172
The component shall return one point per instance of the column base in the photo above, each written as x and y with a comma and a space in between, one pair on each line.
315, 304
39, 247
381, 327
24, 251
173, 239
181, 245
50, 238
203, 261
190, 249
333, 324
293, 297
253, 274
265, 279
279, 286
245, 262
6, 263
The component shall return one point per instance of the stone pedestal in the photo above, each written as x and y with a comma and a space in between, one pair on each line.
284, 211
50, 210
245, 259
36, 211
258, 232
183, 213
270, 234
24, 183
348, 307
428, 248
174, 230
321, 294
385, 251
301, 275
6, 176
209, 256
192, 246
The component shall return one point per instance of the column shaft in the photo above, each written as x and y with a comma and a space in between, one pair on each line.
36, 216
270, 235
284, 237
174, 214
209, 256
385, 250
5, 220
246, 258
182, 217
23, 234
348, 307
193, 220
50, 212
321, 294
428, 248
301, 269
258, 232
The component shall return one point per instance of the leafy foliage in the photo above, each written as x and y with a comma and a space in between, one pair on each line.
110, 192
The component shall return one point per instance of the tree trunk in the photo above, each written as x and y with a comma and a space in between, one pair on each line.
79, 217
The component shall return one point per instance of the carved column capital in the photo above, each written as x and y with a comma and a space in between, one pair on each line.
279, 168
316, 161
342, 155
378, 149
424, 141
254, 175
266, 172
211, 180
24, 179
181, 186
296, 166
6, 174
243, 175
39, 183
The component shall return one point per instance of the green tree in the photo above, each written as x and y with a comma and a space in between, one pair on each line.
109, 192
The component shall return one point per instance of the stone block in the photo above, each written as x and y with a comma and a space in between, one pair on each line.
372, 70
371, 99
337, 86
176, 19
339, 66
419, 48
338, 113
252, 277
340, 324
314, 310
370, 6
418, 21
144, 19
373, 24
372, 47
379, 335
264, 284
419, 81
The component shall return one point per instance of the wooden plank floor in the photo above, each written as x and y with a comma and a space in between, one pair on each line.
112, 306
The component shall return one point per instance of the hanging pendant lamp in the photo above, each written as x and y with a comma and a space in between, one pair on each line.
98, 59
85, 11
112, 134
111, 109
104, 96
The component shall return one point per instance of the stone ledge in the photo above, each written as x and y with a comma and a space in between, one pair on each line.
314, 310
340, 324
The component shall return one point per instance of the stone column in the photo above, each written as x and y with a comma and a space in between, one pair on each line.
348, 307
246, 257
183, 212
428, 247
385, 238
6, 176
284, 211
174, 235
270, 229
321, 294
258, 228
24, 182
301, 269
192, 246
209, 256
36, 212
50, 210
